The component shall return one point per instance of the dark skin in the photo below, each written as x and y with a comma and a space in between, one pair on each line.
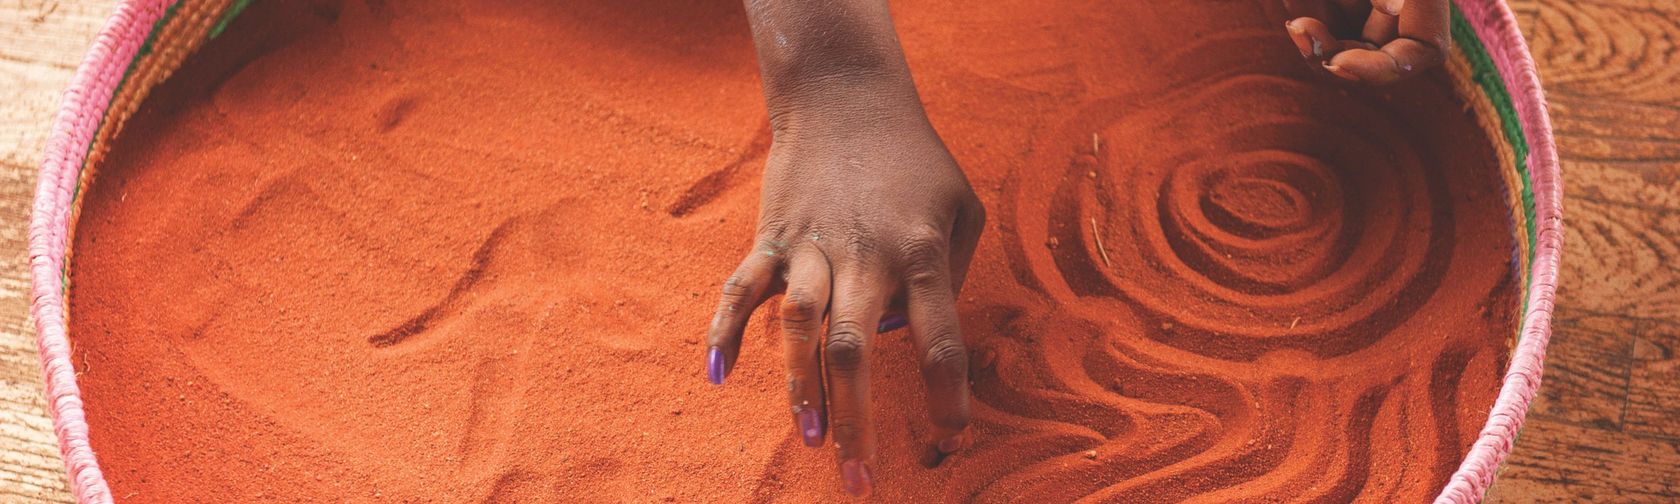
866, 220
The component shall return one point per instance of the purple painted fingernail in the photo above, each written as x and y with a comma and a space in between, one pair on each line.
891, 323
856, 478
714, 366
810, 427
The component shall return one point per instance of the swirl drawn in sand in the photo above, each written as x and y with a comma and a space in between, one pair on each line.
1239, 257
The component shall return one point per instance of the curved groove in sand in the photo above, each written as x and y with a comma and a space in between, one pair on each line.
1290, 235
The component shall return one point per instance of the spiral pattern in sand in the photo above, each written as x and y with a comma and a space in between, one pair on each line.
1230, 259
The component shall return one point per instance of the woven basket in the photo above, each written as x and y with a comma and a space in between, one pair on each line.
145, 40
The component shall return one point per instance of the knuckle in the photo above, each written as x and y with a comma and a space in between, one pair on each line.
860, 247
800, 308
771, 230
735, 289
844, 349
923, 247
946, 359
924, 278
735, 295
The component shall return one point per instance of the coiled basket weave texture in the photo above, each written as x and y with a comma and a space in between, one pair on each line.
145, 40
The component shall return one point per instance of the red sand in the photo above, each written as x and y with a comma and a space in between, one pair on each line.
429, 253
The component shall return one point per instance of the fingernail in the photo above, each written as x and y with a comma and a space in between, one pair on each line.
856, 478
1341, 73
1295, 36
714, 366
810, 427
891, 323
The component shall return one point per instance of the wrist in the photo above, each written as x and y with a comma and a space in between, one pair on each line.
835, 61
844, 105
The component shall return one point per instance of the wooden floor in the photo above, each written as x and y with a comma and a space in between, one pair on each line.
1606, 427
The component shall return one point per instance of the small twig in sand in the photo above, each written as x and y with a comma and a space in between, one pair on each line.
1096, 145
1097, 233
1293, 322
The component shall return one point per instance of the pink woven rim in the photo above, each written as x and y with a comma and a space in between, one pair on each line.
1497, 27
119, 42
73, 130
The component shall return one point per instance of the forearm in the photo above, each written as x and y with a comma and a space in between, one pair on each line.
824, 60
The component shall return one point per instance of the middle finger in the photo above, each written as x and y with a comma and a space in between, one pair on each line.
803, 310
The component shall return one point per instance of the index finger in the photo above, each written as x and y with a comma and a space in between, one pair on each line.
752, 283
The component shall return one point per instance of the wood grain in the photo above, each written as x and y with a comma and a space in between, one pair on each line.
1563, 462
1654, 382
1606, 426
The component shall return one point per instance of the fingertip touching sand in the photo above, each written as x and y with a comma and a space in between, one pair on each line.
438, 253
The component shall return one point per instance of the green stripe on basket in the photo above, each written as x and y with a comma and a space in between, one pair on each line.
87, 157
1485, 75
228, 15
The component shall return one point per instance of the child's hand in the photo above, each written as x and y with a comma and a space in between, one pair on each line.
1371, 41
861, 206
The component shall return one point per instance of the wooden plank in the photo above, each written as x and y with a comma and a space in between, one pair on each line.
1591, 358
1614, 90
1620, 257
1608, 49
40, 44
1567, 463
1654, 382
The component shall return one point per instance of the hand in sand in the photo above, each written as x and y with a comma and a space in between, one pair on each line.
852, 218
863, 212
1371, 41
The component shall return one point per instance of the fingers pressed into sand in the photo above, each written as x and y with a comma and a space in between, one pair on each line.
1422, 44
803, 309
1399, 59
748, 287
939, 344
856, 307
